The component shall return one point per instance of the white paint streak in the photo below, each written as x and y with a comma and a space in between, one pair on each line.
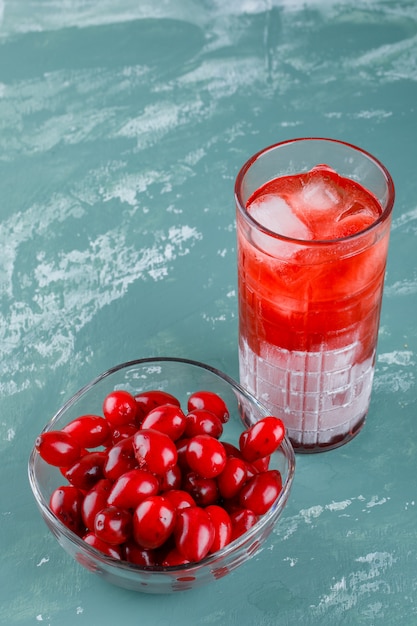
397, 357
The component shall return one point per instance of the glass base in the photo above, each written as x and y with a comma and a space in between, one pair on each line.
336, 442
322, 397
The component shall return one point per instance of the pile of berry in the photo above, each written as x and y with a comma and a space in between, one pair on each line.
154, 485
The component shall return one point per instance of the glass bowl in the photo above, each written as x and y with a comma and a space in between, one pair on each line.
179, 377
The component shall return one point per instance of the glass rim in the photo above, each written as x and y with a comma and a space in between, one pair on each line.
386, 211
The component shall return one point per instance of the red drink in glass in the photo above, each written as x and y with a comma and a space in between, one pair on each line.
312, 250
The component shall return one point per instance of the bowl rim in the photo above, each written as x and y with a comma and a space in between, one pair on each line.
213, 558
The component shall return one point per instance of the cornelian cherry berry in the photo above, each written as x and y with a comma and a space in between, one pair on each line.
119, 407
106, 548
132, 487
203, 490
242, 520
148, 400
113, 525
261, 491
58, 448
232, 478
206, 456
210, 402
120, 459
203, 422
168, 419
154, 451
66, 502
153, 521
222, 525
89, 431
262, 438
194, 533
94, 501
87, 470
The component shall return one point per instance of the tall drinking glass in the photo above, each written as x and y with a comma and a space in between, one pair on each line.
313, 222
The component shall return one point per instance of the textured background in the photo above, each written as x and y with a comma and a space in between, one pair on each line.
122, 127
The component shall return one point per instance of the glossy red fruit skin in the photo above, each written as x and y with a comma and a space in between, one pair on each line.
173, 558
87, 471
168, 419
66, 502
113, 525
222, 525
148, 400
261, 491
206, 456
94, 501
90, 431
154, 451
203, 422
120, 459
172, 479
209, 401
58, 448
180, 499
106, 548
132, 487
122, 432
203, 490
137, 555
262, 438
242, 520
181, 445
153, 522
194, 533
119, 407
232, 478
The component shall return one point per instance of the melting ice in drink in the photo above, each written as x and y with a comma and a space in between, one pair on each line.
308, 323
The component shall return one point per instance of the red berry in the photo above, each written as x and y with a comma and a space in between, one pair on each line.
148, 400
87, 471
122, 432
210, 402
94, 501
154, 451
261, 491
153, 522
137, 555
179, 498
174, 558
222, 526
232, 477
120, 459
119, 407
132, 487
206, 456
261, 439
203, 422
172, 479
168, 419
89, 431
65, 502
104, 547
242, 520
203, 490
113, 525
58, 448
194, 533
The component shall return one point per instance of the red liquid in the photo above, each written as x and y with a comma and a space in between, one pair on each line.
312, 294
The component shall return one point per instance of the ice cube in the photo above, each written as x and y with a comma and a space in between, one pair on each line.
320, 194
273, 212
